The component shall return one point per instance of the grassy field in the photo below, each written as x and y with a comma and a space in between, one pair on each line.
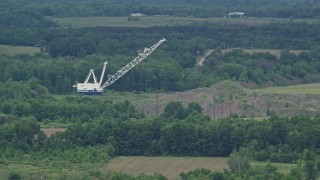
14, 50
281, 167
149, 21
116, 96
48, 169
168, 166
171, 167
298, 89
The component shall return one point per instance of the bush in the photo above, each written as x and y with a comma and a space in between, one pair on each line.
239, 160
14, 176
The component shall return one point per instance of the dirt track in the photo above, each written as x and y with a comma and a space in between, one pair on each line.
207, 53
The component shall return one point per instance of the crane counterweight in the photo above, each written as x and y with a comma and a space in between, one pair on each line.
97, 87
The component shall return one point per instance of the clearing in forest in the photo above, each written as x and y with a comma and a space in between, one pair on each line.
15, 50
51, 131
231, 98
275, 52
171, 167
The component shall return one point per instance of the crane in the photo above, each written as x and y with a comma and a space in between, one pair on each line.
96, 87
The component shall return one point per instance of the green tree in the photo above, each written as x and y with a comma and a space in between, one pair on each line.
310, 170
297, 172
239, 160
14, 176
193, 106
309, 166
174, 109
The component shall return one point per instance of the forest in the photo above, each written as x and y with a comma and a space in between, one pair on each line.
113, 129
201, 8
164, 71
106, 129
36, 90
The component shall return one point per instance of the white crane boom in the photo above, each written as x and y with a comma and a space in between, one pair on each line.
96, 88
130, 65
102, 74
91, 72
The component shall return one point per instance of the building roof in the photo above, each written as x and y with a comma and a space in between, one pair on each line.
236, 13
136, 14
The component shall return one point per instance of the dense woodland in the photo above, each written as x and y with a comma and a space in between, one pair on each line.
71, 52
201, 8
164, 72
110, 129
182, 131
99, 129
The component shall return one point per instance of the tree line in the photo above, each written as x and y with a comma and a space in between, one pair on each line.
28, 25
203, 8
161, 72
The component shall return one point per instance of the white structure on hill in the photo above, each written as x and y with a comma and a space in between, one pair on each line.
235, 15
137, 14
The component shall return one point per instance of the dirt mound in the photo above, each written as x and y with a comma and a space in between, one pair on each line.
214, 100
229, 87
228, 98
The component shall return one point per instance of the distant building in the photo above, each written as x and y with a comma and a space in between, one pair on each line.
235, 15
137, 14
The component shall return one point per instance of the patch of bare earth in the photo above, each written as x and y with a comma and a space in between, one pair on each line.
227, 98
171, 167
51, 131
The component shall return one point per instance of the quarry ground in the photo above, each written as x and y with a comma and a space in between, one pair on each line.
231, 98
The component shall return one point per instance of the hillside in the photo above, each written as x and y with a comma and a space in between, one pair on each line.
215, 100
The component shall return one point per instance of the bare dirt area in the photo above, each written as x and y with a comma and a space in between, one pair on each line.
171, 167
230, 98
51, 131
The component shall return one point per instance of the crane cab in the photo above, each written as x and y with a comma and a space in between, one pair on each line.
89, 88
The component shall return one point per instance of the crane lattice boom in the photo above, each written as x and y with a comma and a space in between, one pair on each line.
134, 62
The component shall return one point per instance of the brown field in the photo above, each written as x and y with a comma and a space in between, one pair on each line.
171, 167
50, 131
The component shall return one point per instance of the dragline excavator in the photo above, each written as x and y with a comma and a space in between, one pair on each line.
95, 87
